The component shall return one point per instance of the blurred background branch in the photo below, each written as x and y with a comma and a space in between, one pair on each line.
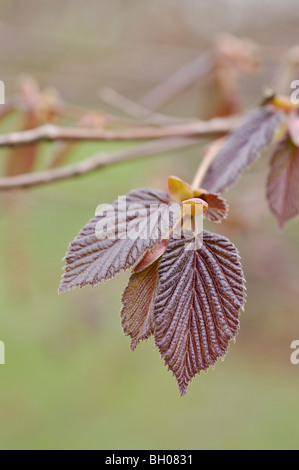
51, 133
70, 382
95, 163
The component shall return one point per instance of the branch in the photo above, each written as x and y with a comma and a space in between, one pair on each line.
135, 110
79, 111
96, 162
51, 133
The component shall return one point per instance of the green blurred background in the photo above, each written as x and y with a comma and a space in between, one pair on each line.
70, 380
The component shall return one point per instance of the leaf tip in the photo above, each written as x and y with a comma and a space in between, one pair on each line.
183, 388
61, 289
133, 345
281, 223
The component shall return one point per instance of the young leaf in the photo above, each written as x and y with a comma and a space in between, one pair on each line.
197, 308
218, 208
135, 223
243, 148
22, 160
138, 300
283, 182
179, 189
195, 207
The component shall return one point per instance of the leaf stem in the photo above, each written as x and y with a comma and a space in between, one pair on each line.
209, 157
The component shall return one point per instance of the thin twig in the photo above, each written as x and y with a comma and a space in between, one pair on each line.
96, 162
135, 110
210, 156
179, 81
51, 133
77, 112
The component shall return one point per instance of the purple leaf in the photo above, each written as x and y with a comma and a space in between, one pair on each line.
134, 223
243, 148
138, 300
283, 182
197, 308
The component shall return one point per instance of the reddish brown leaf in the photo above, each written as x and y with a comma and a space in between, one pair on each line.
283, 183
218, 208
240, 53
22, 159
221, 97
151, 256
93, 257
243, 147
138, 300
197, 308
